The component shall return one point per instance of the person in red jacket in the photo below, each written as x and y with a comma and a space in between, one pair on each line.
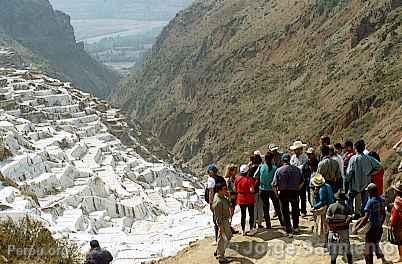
245, 197
378, 178
396, 219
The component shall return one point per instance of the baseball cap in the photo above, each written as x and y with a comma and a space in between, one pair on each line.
244, 168
286, 157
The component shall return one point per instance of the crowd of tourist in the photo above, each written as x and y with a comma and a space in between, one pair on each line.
340, 184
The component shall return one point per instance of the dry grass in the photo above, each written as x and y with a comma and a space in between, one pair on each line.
28, 241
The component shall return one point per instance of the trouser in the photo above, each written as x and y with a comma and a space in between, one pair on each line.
223, 240
243, 210
215, 227
265, 196
286, 198
303, 199
373, 238
339, 244
356, 202
258, 210
345, 185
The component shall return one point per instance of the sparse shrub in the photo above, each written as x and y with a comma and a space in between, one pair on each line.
29, 241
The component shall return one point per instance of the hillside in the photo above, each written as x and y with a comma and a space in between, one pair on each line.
47, 37
227, 77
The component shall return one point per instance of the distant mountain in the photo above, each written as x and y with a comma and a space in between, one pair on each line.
121, 9
47, 35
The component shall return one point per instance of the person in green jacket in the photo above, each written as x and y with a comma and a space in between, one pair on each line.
221, 208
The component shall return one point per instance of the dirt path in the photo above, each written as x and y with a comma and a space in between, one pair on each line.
272, 247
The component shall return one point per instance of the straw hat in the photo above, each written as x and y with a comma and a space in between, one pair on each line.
317, 180
310, 151
297, 145
273, 147
397, 186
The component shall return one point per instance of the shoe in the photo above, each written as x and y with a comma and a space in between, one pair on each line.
304, 215
356, 217
215, 253
296, 230
234, 231
290, 235
223, 260
260, 226
252, 232
244, 233
275, 215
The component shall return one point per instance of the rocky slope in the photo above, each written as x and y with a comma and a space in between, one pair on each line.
63, 162
227, 77
49, 36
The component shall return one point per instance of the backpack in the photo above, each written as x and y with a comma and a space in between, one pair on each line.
218, 180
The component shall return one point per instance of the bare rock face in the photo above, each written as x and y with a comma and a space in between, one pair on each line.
228, 77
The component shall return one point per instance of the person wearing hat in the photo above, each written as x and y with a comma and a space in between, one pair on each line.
396, 218
299, 159
361, 170
375, 215
338, 218
277, 155
244, 185
287, 183
330, 169
323, 198
213, 180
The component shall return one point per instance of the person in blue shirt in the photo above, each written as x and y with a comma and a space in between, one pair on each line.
324, 195
267, 172
375, 214
323, 198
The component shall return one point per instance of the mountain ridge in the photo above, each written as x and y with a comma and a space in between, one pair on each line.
227, 77
48, 34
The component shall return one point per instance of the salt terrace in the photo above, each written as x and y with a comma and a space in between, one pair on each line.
59, 146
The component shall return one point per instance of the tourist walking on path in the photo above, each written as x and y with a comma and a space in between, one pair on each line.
287, 183
97, 255
338, 217
329, 169
213, 180
244, 185
300, 159
375, 216
360, 171
396, 219
323, 198
378, 178
221, 208
308, 170
349, 153
254, 171
230, 175
267, 172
